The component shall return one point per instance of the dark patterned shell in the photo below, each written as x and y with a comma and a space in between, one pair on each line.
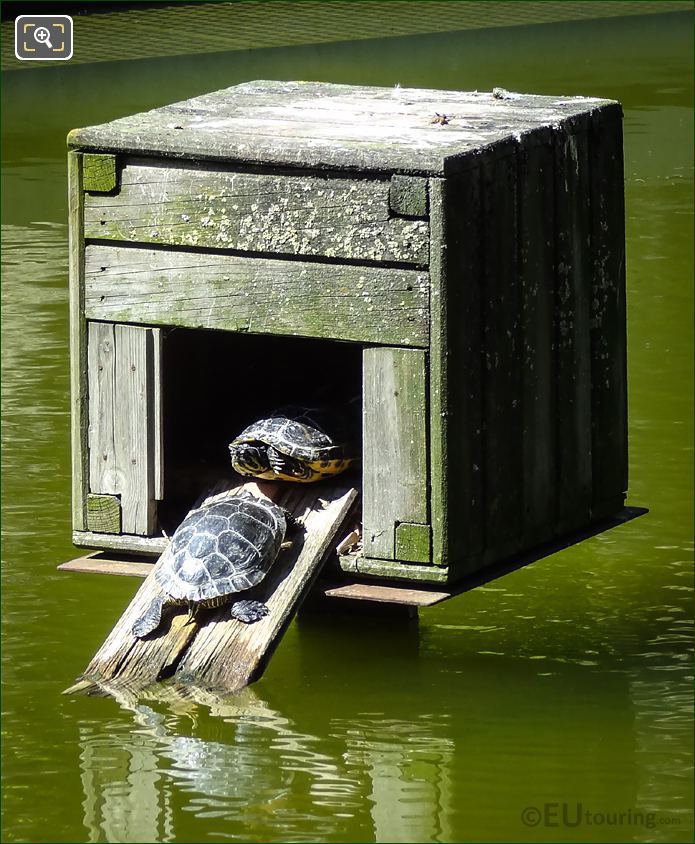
305, 433
221, 548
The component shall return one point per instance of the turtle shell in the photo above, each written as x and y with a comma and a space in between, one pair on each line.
222, 548
309, 434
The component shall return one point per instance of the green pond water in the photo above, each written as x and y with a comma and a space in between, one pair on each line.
565, 683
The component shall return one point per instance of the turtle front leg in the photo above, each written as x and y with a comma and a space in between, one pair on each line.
249, 611
150, 619
287, 467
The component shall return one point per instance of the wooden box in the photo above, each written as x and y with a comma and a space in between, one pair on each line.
459, 255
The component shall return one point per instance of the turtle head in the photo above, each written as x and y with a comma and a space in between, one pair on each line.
249, 458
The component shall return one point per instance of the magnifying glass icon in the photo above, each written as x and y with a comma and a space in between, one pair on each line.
43, 36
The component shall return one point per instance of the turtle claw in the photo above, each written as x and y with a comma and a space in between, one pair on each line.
287, 467
249, 611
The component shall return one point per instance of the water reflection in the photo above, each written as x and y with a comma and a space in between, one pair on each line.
215, 757
277, 771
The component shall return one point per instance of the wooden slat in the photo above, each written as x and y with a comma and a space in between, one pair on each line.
78, 346
502, 360
537, 278
256, 212
572, 325
101, 358
229, 654
125, 542
100, 563
457, 459
215, 650
122, 419
133, 426
608, 317
386, 594
394, 445
257, 295
157, 410
373, 567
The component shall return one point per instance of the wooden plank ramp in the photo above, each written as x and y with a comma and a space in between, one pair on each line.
216, 651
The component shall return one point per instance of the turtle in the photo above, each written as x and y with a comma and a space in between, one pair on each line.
294, 443
218, 550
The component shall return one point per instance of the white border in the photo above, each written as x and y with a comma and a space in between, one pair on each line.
44, 58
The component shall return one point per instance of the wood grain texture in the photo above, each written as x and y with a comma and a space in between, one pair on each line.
228, 654
217, 651
121, 420
608, 318
395, 570
456, 420
257, 295
99, 172
103, 514
537, 278
78, 346
153, 545
394, 444
572, 325
100, 563
502, 361
383, 594
197, 206
320, 125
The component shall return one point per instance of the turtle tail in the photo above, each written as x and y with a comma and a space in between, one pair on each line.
150, 619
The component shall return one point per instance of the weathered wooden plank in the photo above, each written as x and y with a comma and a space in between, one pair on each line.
413, 543
257, 295
253, 212
228, 654
537, 278
608, 318
317, 125
394, 445
101, 358
457, 459
382, 594
572, 325
100, 173
121, 420
395, 570
502, 361
157, 411
103, 514
214, 650
408, 196
153, 545
78, 345
100, 563
134, 429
